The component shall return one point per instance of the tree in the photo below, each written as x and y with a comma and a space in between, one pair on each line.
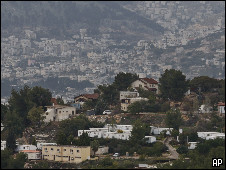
135, 107
40, 96
35, 115
124, 80
34, 142
205, 83
60, 101
94, 145
4, 110
173, 85
83, 140
139, 131
173, 119
182, 149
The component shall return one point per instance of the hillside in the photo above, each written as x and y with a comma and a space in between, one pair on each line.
97, 16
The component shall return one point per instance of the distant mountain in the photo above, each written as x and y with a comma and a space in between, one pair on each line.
98, 15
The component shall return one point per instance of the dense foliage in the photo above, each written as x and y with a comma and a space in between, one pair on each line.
173, 84
8, 161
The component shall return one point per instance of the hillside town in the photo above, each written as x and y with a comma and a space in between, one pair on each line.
48, 146
112, 84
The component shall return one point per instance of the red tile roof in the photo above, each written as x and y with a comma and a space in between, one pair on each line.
29, 151
91, 96
221, 104
148, 80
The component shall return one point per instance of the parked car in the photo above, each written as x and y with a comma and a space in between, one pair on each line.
116, 155
108, 112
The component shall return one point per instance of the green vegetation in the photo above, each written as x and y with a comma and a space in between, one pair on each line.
95, 145
25, 109
173, 119
68, 129
201, 157
173, 85
8, 162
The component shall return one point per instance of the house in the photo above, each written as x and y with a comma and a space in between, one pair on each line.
66, 153
150, 139
192, 145
126, 102
59, 113
205, 109
210, 135
122, 132
3, 144
147, 84
221, 108
94, 132
157, 130
25, 148
128, 94
116, 127
85, 97
39, 145
32, 154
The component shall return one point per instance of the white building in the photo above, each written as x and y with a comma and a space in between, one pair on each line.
3, 145
150, 139
59, 113
109, 131
211, 135
146, 84
157, 130
128, 94
192, 145
221, 108
32, 155
39, 145
26, 148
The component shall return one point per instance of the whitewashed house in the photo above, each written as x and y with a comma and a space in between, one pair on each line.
59, 113
157, 130
25, 148
109, 131
32, 154
192, 145
147, 84
221, 108
39, 145
3, 144
211, 135
150, 139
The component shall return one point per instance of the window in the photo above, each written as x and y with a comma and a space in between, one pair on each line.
64, 149
24, 147
47, 113
59, 111
71, 150
45, 148
51, 149
72, 158
66, 111
77, 151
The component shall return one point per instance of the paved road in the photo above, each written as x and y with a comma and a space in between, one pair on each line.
173, 152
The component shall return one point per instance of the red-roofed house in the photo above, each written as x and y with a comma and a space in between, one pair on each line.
85, 97
147, 84
221, 108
